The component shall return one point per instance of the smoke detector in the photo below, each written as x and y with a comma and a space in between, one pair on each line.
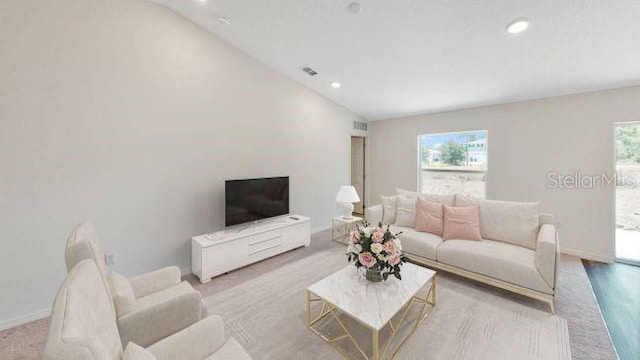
354, 7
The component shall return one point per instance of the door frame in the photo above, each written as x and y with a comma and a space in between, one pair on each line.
364, 169
615, 197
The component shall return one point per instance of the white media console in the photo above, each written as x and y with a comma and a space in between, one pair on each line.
222, 251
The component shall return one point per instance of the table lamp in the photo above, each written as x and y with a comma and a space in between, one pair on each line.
347, 195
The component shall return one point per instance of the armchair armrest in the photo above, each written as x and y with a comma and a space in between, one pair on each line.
196, 342
373, 214
546, 253
155, 281
146, 325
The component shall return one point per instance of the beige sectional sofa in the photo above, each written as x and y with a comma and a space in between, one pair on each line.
519, 251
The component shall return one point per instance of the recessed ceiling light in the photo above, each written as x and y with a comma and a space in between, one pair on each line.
335, 85
224, 21
518, 26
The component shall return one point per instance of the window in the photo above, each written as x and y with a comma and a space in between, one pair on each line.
453, 163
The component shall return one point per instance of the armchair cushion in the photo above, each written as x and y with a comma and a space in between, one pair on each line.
155, 281
196, 342
136, 352
83, 244
82, 324
160, 314
123, 297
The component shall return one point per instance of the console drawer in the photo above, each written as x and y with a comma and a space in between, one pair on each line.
264, 243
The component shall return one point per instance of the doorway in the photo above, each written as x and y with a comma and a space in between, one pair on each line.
357, 171
627, 140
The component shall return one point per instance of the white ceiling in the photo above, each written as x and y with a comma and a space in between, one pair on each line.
404, 57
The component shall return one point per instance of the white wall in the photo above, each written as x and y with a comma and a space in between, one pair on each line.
122, 112
526, 141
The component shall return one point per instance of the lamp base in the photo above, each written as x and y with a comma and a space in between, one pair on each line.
347, 209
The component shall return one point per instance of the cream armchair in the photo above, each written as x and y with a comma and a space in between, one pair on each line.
83, 326
149, 307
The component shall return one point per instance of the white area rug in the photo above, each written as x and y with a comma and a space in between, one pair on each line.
267, 316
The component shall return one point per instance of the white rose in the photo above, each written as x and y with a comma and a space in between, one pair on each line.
398, 245
354, 248
376, 248
367, 231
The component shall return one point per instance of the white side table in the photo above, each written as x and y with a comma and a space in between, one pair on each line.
340, 228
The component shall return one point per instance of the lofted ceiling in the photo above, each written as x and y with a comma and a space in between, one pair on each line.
403, 57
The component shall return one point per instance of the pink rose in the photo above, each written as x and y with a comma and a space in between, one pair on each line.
389, 247
394, 260
377, 236
366, 259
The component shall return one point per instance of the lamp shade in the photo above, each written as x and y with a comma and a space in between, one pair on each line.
347, 194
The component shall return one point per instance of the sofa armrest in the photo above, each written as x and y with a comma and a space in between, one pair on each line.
196, 342
155, 281
546, 253
373, 214
154, 322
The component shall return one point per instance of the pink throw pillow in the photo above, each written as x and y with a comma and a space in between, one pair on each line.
462, 223
429, 217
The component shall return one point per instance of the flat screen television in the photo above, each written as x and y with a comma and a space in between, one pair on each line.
251, 200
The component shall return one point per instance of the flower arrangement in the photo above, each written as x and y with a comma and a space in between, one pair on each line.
377, 250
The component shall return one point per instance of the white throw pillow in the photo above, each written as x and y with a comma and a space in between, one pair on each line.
137, 352
388, 209
406, 211
406, 193
440, 199
509, 221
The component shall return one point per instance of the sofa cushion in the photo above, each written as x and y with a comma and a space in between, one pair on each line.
462, 223
406, 211
496, 259
418, 243
388, 209
508, 221
448, 200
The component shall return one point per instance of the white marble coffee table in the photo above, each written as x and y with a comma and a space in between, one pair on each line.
371, 304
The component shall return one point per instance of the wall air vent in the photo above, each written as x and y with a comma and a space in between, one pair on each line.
360, 125
309, 71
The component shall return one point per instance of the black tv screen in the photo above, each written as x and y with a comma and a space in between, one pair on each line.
255, 199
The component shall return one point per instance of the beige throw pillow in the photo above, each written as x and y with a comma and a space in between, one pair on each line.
406, 211
509, 221
388, 209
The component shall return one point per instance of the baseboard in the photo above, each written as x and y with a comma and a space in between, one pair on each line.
588, 256
23, 319
320, 228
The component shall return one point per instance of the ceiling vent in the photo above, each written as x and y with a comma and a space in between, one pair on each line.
309, 71
360, 125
